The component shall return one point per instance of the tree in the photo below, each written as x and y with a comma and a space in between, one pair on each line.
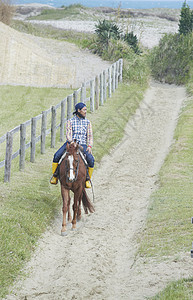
186, 19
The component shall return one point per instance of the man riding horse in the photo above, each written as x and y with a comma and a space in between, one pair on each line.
78, 128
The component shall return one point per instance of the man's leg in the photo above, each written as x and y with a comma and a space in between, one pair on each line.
90, 161
57, 156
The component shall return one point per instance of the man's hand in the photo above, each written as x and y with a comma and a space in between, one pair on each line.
89, 149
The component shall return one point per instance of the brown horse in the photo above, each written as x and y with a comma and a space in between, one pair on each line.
72, 176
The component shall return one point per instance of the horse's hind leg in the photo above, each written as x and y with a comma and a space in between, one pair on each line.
65, 197
79, 210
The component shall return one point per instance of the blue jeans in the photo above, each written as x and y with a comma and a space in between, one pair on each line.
89, 156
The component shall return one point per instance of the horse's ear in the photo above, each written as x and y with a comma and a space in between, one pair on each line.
67, 146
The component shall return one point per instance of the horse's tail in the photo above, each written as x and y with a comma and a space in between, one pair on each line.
86, 203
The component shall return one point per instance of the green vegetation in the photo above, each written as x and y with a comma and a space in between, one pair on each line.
182, 289
25, 103
186, 19
71, 11
79, 38
109, 33
171, 60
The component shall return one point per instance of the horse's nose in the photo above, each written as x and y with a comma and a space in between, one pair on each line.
71, 179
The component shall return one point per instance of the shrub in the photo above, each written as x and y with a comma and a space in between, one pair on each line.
186, 19
132, 40
170, 60
105, 31
6, 12
117, 49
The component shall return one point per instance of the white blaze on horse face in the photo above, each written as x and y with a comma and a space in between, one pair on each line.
71, 159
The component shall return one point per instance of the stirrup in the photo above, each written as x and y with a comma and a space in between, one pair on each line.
88, 184
53, 180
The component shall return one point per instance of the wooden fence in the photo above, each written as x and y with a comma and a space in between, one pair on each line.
95, 91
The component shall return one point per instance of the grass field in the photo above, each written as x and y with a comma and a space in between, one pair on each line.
19, 103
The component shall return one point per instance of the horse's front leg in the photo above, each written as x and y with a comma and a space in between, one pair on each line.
69, 212
77, 197
65, 197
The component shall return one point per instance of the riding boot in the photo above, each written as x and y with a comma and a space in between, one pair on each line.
54, 179
88, 183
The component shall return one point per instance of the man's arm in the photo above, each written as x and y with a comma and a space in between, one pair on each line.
69, 131
89, 137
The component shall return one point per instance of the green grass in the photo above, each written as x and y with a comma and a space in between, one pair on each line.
78, 38
71, 11
19, 103
27, 209
179, 290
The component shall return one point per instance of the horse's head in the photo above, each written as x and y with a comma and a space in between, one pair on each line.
72, 161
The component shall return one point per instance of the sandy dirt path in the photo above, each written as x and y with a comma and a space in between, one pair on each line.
98, 260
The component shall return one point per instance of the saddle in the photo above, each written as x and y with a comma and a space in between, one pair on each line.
83, 156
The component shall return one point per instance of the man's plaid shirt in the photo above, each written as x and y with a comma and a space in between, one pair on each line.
79, 129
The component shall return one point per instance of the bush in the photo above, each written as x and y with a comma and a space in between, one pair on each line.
117, 49
132, 40
186, 20
171, 59
6, 12
107, 31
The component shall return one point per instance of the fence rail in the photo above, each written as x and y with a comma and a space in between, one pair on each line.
95, 91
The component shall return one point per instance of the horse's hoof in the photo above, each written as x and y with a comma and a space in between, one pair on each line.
63, 233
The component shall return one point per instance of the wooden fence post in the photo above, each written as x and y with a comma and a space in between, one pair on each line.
53, 127
43, 132
120, 70
113, 78
83, 93
104, 86
22, 146
101, 89
92, 95
75, 97
62, 119
97, 92
116, 74
109, 81
8, 157
69, 107
33, 139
